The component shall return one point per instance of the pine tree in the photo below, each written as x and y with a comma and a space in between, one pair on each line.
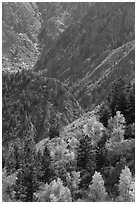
97, 190
45, 169
104, 114
86, 154
13, 160
122, 98
130, 110
82, 154
86, 162
117, 97
26, 183
101, 152
73, 180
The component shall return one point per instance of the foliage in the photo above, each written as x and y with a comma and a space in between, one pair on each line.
101, 152
63, 158
130, 131
94, 130
73, 181
126, 186
54, 192
85, 154
8, 183
45, 172
50, 152
87, 56
14, 157
122, 98
26, 183
116, 128
28, 93
104, 114
97, 191
86, 160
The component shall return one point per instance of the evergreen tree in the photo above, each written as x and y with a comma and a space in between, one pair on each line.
117, 97
86, 163
122, 98
45, 169
85, 154
101, 152
26, 183
73, 180
130, 110
104, 114
14, 158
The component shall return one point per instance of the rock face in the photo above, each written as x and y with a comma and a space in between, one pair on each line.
56, 17
20, 27
45, 101
92, 52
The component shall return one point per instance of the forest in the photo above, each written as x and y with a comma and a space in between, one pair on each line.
68, 102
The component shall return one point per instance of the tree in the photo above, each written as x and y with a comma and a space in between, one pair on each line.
14, 156
59, 193
54, 192
94, 129
126, 186
104, 114
117, 97
73, 180
101, 152
85, 154
97, 190
122, 98
45, 169
26, 183
130, 131
86, 163
116, 127
130, 110
8, 183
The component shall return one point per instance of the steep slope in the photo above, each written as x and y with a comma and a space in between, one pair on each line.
20, 27
93, 88
46, 102
85, 50
56, 17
